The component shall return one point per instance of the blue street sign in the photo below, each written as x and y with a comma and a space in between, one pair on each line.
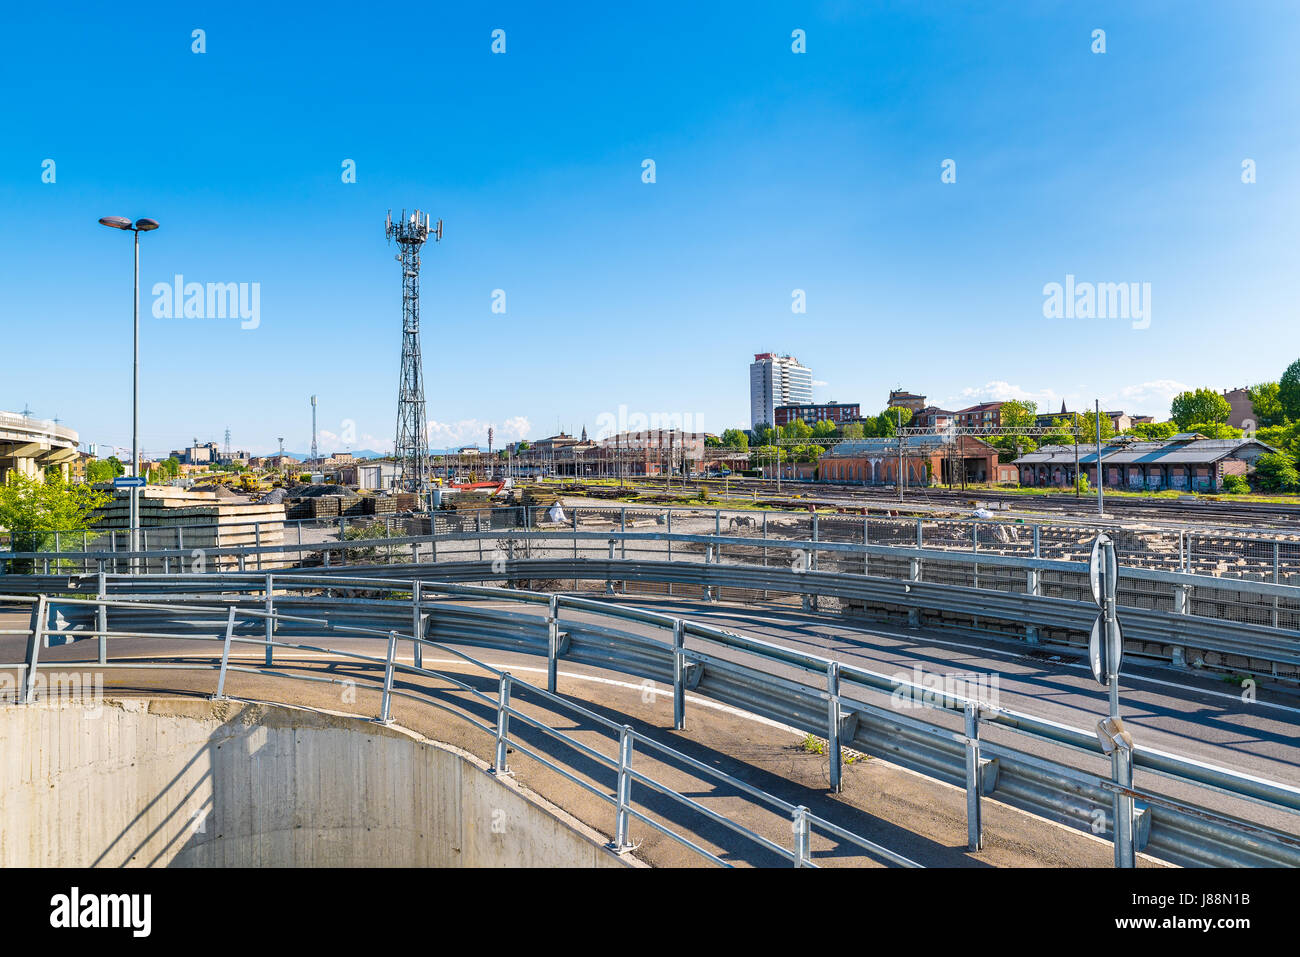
129, 481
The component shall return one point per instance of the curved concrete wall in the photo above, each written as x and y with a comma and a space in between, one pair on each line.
187, 783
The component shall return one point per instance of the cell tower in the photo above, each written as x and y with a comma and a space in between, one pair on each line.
314, 456
227, 443
412, 446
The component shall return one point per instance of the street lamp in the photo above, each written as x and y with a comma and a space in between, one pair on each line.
138, 227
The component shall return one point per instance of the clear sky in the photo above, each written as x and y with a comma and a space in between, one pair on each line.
775, 171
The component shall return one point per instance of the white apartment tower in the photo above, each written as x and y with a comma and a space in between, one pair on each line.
776, 380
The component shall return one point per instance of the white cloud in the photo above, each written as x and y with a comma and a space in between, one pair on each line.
999, 391
1146, 398
471, 431
819, 382
1159, 391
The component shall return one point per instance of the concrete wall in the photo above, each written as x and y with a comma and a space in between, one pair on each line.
189, 783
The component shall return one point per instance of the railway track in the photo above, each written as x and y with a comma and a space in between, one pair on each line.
1247, 514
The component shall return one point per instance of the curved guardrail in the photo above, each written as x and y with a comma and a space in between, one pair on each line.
155, 619
1048, 768
1177, 613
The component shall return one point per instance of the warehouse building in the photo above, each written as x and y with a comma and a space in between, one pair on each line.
1187, 461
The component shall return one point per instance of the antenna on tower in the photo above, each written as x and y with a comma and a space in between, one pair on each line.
314, 454
411, 449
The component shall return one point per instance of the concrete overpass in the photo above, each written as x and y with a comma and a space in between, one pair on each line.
29, 446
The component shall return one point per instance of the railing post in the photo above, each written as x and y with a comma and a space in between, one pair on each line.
225, 654
1277, 576
974, 826
101, 615
801, 836
270, 616
866, 533
417, 625
709, 592
679, 675
257, 542
503, 725
478, 532
39, 615
1033, 586
914, 574
1038, 542
385, 704
552, 642
669, 522
621, 842
765, 549
833, 726
1182, 606
1122, 773
609, 580
918, 534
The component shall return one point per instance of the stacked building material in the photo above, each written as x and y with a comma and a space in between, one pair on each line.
188, 520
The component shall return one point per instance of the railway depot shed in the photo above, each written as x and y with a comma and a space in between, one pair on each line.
1187, 461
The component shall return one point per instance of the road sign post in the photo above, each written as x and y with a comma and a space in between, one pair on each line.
1106, 655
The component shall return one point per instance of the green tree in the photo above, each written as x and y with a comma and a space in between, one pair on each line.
824, 429
1266, 403
766, 455
1019, 414
798, 430
1154, 431
735, 439
1276, 472
1284, 438
1202, 405
1289, 391
1016, 414
1215, 430
33, 510
889, 420
853, 430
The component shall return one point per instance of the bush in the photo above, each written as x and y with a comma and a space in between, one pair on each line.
1276, 472
1235, 485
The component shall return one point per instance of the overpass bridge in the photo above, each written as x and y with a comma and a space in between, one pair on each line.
29, 446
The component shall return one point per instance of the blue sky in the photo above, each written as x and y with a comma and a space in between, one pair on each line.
775, 171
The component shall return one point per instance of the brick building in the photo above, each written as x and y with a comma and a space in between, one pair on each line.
812, 414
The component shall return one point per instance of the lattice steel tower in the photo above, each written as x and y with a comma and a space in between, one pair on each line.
412, 445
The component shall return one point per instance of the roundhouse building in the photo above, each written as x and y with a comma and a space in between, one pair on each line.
1186, 461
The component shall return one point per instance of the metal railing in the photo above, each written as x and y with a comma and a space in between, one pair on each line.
987, 749
1188, 619
1263, 555
803, 822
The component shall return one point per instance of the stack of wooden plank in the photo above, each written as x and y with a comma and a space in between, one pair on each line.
199, 520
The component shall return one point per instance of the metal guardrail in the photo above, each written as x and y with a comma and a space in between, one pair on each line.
1224, 551
942, 735
804, 823
1181, 614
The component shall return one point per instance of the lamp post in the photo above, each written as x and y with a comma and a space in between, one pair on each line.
138, 227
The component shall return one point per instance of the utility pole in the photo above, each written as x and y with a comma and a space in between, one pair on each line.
1078, 492
1101, 512
900, 455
